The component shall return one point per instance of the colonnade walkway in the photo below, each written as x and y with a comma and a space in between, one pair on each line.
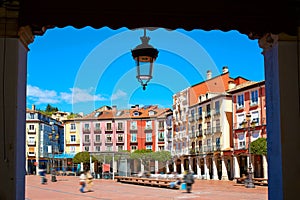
67, 188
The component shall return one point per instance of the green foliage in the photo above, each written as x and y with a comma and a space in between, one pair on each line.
144, 155
83, 157
73, 115
162, 156
49, 110
259, 146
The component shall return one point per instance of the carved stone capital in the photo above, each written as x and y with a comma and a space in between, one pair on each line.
25, 35
267, 41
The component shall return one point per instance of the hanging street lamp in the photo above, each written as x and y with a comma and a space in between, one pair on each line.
144, 55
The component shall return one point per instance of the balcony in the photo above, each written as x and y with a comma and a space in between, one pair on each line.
31, 131
86, 130
161, 139
97, 143
97, 130
217, 129
73, 142
86, 143
31, 142
207, 131
31, 154
120, 141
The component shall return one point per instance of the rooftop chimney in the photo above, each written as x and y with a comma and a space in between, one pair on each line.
225, 69
33, 107
114, 107
208, 74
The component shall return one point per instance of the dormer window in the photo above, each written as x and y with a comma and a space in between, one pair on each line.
136, 113
151, 112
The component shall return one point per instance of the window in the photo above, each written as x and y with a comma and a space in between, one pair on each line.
86, 148
120, 137
133, 147
133, 137
108, 126
31, 140
200, 112
72, 127
209, 148
208, 110
161, 124
86, 138
97, 127
136, 113
161, 135
218, 145
31, 116
120, 126
72, 149
133, 125
73, 138
255, 135
86, 127
240, 120
120, 147
149, 147
217, 107
160, 148
192, 114
255, 117
208, 127
241, 141
218, 126
108, 138
97, 138
200, 129
148, 124
109, 148
97, 148
31, 127
193, 131
148, 137
254, 97
240, 101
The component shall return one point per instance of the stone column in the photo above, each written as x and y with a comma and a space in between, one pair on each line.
175, 167
198, 168
224, 170
282, 72
215, 171
190, 166
265, 166
236, 167
13, 73
167, 167
206, 171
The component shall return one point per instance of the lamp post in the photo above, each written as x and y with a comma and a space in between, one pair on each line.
53, 137
249, 183
144, 54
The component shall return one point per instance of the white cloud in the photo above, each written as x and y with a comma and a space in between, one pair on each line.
40, 96
119, 94
78, 95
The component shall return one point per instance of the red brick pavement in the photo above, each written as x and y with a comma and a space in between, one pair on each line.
67, 188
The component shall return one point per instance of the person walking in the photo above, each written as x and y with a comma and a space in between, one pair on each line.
82, 181
189, 180
89, 180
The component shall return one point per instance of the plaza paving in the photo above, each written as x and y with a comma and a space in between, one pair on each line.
67, 188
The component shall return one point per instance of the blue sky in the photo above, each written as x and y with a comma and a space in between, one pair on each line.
80, 70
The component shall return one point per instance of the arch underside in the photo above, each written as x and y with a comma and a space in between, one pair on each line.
253, 18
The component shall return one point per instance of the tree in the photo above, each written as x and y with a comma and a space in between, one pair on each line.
83, 157
162, 157
259, 146
144, 155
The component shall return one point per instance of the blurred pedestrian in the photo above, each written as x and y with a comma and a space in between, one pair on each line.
42, 174
189, 180
82, 181
89, 180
